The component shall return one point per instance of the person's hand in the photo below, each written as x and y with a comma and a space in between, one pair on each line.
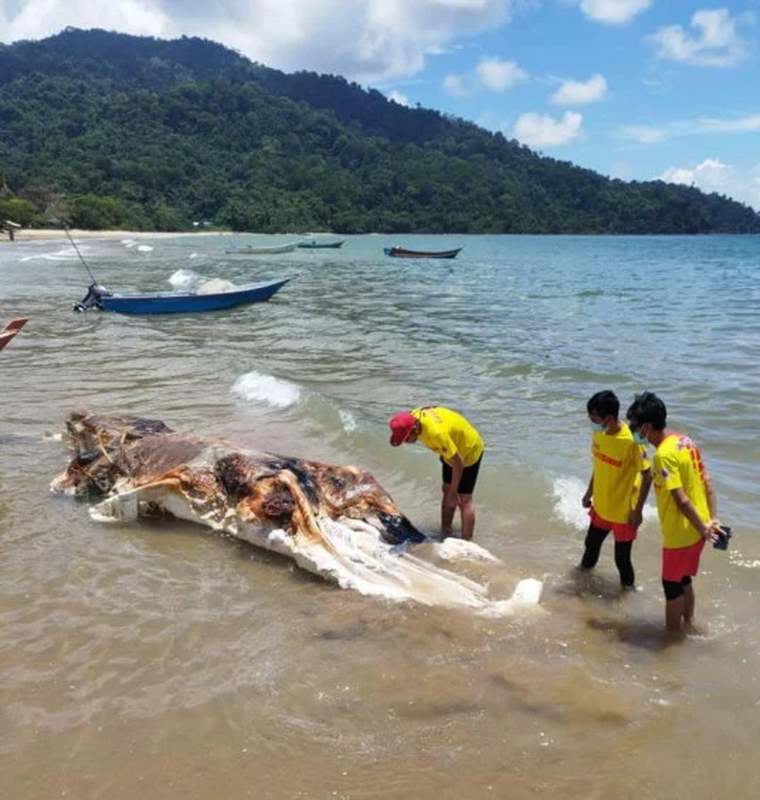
451, 498
635, 518
710, 530
586, 501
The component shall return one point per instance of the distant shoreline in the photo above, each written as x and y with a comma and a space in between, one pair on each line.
43, 234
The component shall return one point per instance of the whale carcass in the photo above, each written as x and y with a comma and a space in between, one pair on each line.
334, 521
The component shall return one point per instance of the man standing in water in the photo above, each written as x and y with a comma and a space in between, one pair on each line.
685, 505
619, 486
460, 449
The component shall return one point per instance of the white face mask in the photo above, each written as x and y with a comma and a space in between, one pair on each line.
596, 427
639, 439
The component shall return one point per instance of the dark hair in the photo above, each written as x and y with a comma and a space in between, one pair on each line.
647, 407
604, 404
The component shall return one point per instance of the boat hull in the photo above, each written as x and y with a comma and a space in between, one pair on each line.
320, 245
184, 303
400, 252
262, 250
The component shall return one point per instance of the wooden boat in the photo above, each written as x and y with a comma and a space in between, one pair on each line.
11, 329
260, 249
177, 302
400, 252
313, 244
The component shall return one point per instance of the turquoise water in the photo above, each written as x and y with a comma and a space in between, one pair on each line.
516, 333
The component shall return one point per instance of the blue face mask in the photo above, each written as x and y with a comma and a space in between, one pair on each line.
596, 427
639, 439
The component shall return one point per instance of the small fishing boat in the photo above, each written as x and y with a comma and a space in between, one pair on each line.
11, 329
313, 244
400, 252
177, 302
260, 249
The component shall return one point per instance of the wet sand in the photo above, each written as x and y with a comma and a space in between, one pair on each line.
41, 234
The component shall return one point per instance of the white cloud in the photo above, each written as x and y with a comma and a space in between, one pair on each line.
541, 130
34, 19
500, 75
716, 44
712, 175
398, 97
644, 134
456, 85
573, 93
613, 12
490, 73
701, 126
366, 40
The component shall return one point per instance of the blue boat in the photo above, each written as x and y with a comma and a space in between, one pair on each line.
177, 302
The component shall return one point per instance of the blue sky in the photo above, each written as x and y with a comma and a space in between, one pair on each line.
635, 89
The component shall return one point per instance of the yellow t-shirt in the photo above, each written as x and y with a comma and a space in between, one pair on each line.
447, 433
678, 464
618, 464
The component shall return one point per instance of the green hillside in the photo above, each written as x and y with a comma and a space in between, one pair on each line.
106, 130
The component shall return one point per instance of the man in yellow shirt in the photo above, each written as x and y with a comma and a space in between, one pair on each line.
685, 504
618, 487
460, 449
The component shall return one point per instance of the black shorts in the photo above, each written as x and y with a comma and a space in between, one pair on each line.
468, 479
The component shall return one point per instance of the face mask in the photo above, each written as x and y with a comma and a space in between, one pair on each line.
639, 439
596, 427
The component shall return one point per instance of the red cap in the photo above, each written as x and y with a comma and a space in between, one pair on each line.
401, 427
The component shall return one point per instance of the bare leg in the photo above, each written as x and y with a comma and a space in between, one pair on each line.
688, 606
447, 513
467, 510
674, 613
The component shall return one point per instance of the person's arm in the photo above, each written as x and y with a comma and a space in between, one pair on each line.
586, 501
637, 515
457, 468
712, 500
685, 506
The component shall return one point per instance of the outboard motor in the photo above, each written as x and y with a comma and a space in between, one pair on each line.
92, 298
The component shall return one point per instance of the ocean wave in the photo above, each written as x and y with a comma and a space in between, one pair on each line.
183, 279
66, 254
348, 420
259, 388
567, 494
567, 502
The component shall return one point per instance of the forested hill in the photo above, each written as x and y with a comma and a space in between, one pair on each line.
109, 130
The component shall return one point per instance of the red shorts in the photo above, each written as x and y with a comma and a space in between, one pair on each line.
622, 533
678, 562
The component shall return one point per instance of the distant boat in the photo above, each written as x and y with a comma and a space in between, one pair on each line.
313, 244
400, 252
11, 329
177, 302
260, 249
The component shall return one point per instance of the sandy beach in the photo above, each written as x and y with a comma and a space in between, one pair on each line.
38, 234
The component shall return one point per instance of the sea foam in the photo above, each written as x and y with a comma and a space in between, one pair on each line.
568, 493
183, 279
567, 502
259, 388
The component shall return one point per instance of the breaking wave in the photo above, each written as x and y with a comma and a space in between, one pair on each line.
256, 387
183, 279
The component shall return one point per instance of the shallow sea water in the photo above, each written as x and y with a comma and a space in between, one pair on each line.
163, 660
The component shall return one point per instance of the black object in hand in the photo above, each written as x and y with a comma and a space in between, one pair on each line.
724, 534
